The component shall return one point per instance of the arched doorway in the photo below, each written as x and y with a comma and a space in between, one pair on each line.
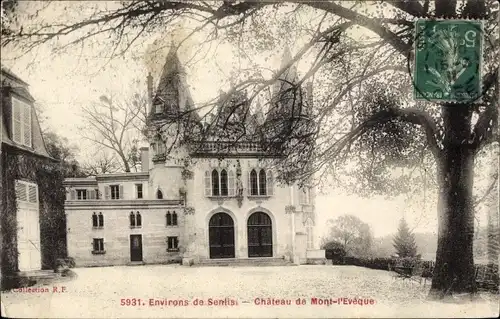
221, 236
260, 235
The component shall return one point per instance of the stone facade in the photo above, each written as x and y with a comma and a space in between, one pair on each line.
227, 203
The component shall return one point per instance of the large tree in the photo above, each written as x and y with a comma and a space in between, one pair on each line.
390, 127
352, 234
115, 125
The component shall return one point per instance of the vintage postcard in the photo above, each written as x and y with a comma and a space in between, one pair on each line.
249, 159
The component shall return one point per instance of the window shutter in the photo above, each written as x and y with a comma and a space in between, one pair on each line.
91, 194
67, 195
121, 192
270, 183
73, 194
27, 125
21, 192
107, 191
16, 121
231, 184
208, 184
32, 194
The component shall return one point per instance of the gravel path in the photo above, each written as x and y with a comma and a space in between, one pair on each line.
167, 291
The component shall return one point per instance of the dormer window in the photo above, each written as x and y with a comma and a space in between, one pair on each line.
158, 108
21, 122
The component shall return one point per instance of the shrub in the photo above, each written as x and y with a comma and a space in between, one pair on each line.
70, 261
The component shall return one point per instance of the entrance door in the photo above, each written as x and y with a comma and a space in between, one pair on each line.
221, 236
28, 238
135, 247
260, 235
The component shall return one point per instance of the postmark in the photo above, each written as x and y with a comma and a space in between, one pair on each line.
448, 61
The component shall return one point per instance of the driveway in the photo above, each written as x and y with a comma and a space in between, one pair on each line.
166, 291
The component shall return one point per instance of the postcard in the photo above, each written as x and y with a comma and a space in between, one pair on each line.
249, 159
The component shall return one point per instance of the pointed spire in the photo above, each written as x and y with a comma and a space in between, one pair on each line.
290, 74
171, 82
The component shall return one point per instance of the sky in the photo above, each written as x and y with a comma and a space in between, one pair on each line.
64, 83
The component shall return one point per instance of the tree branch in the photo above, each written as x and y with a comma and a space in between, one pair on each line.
409, 115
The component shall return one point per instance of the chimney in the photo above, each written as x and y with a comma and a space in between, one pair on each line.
150, 90
144, 159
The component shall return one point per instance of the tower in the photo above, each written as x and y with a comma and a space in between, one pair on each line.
171, 121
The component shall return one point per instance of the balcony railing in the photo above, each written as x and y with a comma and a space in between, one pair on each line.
227, 147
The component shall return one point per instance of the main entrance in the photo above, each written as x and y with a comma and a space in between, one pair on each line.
221, 236
135, 247
260, 235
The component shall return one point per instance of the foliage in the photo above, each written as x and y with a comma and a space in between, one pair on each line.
343, 66
60, 149
404, 241
49, 177
354, 235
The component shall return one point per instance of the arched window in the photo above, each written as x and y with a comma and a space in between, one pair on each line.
159, 194
215, 183
168, 216
254, 184
138, 219
174, 219
262, 182
223, 183
101, 220
132, 219
94, 220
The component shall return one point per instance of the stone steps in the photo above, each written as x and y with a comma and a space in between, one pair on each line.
38, 277
242, 262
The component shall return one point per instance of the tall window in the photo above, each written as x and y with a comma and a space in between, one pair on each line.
260, 183
172, 243
94, 220
254, 183
115, 191
159, 194
97, 220
135, 219
21, 122
171, 218
219, 183
223, 183
138, 190
101, 220
98, 246
215, 183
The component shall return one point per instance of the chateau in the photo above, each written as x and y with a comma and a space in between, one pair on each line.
195, 199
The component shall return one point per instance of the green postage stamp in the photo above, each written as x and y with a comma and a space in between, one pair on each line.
448, 56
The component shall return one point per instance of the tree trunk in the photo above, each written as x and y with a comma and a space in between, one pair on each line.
454, 269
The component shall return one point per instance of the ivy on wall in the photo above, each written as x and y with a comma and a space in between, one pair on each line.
49, 177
